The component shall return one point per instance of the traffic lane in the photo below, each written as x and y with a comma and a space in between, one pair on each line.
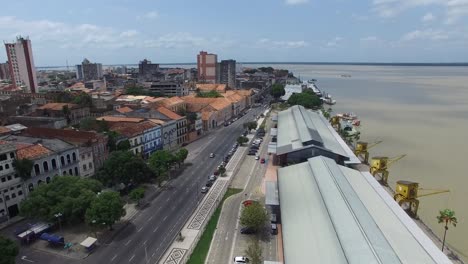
29, 255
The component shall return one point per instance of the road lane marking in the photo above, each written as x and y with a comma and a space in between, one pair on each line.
140, 229
150, 218
164, 219
153, 255
168, 199
155, 229
144, 243
130, 260
128, 242
112, 259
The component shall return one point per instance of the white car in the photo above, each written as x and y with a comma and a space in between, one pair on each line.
212, 155
241, 260
257, 157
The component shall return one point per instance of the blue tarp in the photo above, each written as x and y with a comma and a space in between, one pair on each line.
51, 238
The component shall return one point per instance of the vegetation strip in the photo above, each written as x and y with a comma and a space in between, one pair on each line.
201, 250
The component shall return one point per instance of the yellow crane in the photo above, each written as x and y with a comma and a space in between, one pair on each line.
379, 165
407, 196
362, 150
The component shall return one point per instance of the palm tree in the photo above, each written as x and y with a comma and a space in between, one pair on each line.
446, 216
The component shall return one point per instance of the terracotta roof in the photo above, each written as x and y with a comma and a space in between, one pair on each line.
72, 136
57, 106
168, 113
197, 100
151, 99
206, 115
220, 103
31, 151
77, 85
157, 121
233, 96
211, 87
120, 119
4, 130
131, 130
167, 102
124, 110
245, 92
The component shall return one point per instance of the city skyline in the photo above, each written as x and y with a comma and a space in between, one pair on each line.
247, 31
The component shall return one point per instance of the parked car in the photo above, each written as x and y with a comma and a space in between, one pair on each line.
273, 218
204, 189
238, 260
212, 155
247, 231
252, 153
212, 178
262, 160
257, 157
274, 229
209, 184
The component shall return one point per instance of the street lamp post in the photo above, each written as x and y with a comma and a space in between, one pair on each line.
58, 216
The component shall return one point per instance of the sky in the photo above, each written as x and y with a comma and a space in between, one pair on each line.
174, 31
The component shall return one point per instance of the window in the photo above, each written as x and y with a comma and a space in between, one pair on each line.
7, 198
76, 171
37, 170
20, 193
12, 188
1, 168
84, 166
9, 177
1, 201
82, 157
7, 166
62, 160
90, 165
68, 159
74, 156
39, 182
12, 155
70, 172
64, 173
54, 164
16, 176
13, 195
3, 157
3, 179
18, 186
45, 166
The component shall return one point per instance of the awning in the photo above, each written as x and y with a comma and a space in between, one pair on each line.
89, 241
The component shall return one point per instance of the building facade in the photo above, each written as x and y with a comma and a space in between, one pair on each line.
227, 73
152, 139
146, 69
11, 188
21, 64
169, 88
207, 64
5, 71
88, 71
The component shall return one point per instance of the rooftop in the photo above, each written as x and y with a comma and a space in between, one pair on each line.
32, 152
289, 89
175, 100
57, 106
168, 113
220, 103
120, 119
54, 144
132, 130
299, 128
334, 214
124, 110
211, 87
72, 136
4, 130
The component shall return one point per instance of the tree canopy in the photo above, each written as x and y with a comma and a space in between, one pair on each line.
250, 125
68, 195
83, 99
306, 99
123, 167
106, 209
254, 216
137, 194
277, 90
23, 168
181, 155
241, 140
8, 251
210, 94
90, 123
254, 252
160, 163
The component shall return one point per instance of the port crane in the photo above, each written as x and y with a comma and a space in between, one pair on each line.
379, 165
407, 194
362, 150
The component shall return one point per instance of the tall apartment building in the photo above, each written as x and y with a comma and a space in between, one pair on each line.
227, 73
21, 63
11, 188
4, 71
88, 71
169, 88
207, 67
146, 69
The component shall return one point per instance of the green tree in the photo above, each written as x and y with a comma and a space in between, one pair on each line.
254, 252
277, 90
66, 112
84, 100
68, 195
8, 251
447, 217
123, 167
221, 170
250, 125
112, 140
210, 94
241, 140
124, 145
160, 163
254, 216
107, 208
23, 168
137, 194
191, 117
308, 100
326, 113
181, 156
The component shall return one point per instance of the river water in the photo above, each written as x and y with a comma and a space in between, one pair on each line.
418, 111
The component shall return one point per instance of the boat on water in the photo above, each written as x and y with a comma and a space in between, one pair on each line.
347, 116
328, 101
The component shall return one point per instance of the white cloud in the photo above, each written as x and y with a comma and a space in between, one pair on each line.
369, 39
129, 33
427, 34
296, 2
428, 17
334, 42
454, 9
275, 44
149, 16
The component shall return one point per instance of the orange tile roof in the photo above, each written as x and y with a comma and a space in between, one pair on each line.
120, 119
131, 130
206, 115
80, 137
31, 151
151, 99
57, 106
245, 92
167, 102
220, 103
4, 130
211, 87
168, 113
124, 110
157, 121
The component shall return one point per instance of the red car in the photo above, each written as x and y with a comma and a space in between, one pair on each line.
262, 161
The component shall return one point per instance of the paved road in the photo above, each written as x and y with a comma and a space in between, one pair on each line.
153, 229
228, 242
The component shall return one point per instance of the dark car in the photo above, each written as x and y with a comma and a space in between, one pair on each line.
209, 184
274, 229
247, 231
252, 153
255, 147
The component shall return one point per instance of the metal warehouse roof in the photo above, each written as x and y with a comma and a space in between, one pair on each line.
271, 191
299, 128
334, 214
